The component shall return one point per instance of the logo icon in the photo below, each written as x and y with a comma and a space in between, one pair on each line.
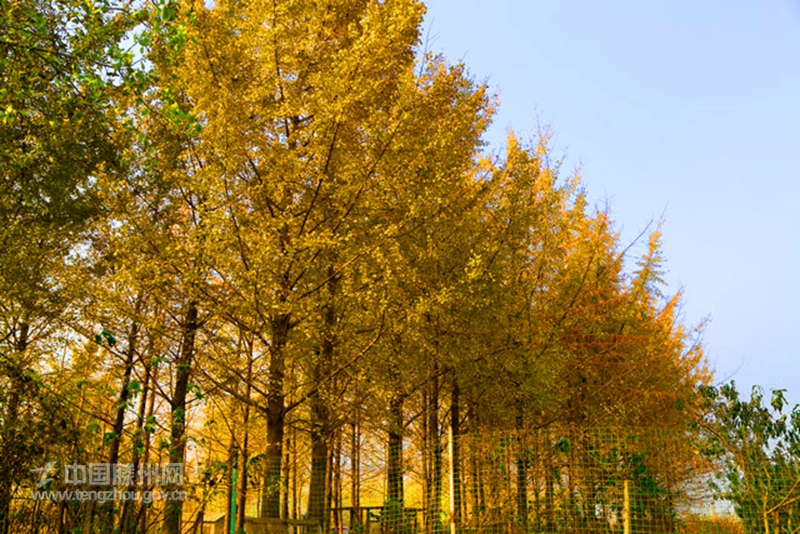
44, 475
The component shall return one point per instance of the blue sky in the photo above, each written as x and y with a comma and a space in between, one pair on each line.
686, 109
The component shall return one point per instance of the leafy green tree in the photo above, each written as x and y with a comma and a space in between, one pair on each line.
758, 448
61, 63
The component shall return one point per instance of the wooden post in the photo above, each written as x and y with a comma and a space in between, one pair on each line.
626, 509
232, 518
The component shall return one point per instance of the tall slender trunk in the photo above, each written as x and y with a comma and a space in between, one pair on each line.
355, 475
522, 470
426, 456
142, 516
244, 468
550, 484
276, 414
319, 460
105, 511
293, 465
321, 426
174, 505
474, 507
477, 491
10, 426
288, 472
395, 449
329, 494
455, 448
127, 523
433, 486
536, 482
336, 480
393, 512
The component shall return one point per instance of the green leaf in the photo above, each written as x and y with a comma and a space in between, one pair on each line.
109, 338
168, 13
778, 399
196, 391
563, 445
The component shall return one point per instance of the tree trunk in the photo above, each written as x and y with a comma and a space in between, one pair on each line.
319, 460
244, 467
288, 472
477, 491
321, 426
276, 413
106, 509
455, 447
329, 495
293, 466
174, 505
336, 481
10, 427
433, 486
128, 518
550, 486
395, 449
142, 516
522, 471
394, 505
355, 475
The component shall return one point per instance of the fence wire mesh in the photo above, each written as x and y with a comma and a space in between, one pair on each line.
587, 481
602, 480
608, 480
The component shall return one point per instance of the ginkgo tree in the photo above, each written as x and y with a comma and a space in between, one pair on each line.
291, 150
302, 165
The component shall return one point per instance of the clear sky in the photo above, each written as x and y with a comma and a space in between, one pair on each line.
690, 109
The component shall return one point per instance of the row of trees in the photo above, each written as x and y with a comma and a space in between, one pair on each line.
245, 233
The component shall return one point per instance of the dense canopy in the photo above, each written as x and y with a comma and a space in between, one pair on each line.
267, 236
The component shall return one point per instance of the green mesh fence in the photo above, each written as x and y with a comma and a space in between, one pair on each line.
606, 480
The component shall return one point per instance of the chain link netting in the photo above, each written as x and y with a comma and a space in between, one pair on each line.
608, 480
